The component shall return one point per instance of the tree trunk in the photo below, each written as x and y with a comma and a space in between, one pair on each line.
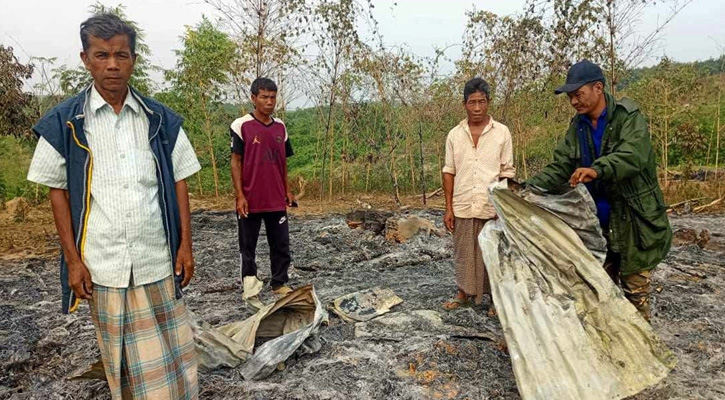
523, 158
422, 162
666, 137
320, 121
343, 162
198, 174
411, 160
718, 178
709, 149
260, 37
327, 129
394, 173
367, 178
210, 137
440, 164
612, 54
330, 175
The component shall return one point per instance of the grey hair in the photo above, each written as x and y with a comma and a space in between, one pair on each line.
476, 85
106, 26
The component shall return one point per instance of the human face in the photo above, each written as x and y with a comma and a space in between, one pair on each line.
587, 98
476, 107
110, 62
265, 101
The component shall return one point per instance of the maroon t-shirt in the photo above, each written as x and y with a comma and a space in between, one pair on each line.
264, 150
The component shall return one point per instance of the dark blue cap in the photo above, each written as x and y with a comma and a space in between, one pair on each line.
579, 75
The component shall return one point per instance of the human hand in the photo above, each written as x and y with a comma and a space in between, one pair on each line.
242, 207
184, 263
290, 199
449, 220
79, 279
582, 175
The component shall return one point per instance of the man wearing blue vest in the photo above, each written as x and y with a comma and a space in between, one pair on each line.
115, 162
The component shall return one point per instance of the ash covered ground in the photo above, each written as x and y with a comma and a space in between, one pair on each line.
416, 355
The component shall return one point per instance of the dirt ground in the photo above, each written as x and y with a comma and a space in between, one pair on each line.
40, 348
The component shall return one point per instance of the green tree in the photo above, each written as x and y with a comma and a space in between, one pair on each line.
337, 42
202, 69
14, 102
668, 96
266, 33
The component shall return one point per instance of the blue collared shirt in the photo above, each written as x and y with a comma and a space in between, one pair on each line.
597, 134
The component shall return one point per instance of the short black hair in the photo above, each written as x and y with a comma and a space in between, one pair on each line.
106, 26
263, 84
476, 85
591, 84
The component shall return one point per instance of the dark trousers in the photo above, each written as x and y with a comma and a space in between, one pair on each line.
277, 227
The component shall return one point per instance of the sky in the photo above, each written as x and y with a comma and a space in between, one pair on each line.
49, 28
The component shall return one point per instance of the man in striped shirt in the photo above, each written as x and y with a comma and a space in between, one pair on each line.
116, 164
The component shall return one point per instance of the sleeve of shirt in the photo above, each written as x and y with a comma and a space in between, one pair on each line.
450, 166
289, 152
237, 143
184, 158
507, 158
48, 166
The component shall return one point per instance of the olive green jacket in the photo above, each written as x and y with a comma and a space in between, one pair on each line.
638, 229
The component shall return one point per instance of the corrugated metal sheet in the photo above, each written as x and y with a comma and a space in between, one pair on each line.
570, 332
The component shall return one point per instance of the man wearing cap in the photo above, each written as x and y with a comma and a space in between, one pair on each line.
607, 147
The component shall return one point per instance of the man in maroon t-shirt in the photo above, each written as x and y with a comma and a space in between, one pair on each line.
260, 148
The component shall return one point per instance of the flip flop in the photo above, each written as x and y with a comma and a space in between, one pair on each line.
455, 304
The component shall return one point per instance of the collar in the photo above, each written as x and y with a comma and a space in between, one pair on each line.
271, 122
96, 101
488, 127
611, 105
603, 116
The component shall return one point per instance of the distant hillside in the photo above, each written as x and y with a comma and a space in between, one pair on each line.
712, 66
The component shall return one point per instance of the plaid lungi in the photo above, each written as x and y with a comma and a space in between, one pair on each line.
146, 342
471, 276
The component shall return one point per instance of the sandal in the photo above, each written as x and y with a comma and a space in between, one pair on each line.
456, 303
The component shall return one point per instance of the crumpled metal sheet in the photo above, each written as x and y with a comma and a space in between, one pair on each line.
298, 335
365, 304
570, 332
293, 321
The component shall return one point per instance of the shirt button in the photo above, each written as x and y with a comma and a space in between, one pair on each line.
123, 155
125, 185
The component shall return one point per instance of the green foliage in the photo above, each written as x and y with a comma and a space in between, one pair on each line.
15, 117
202, 69
15, 156
709, 67
380, 114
